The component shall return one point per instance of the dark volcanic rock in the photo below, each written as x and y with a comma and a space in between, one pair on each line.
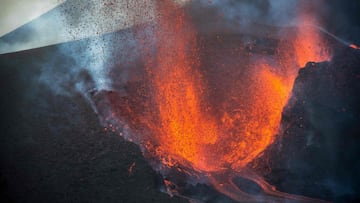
52, 146
318, 152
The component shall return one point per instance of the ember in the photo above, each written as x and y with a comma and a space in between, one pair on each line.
354, 46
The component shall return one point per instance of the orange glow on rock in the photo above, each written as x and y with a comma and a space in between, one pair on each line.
256, 125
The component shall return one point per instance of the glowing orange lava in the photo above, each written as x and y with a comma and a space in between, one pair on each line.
186, 130
183, 129
184, 126
308, 43
255, 126
354, 46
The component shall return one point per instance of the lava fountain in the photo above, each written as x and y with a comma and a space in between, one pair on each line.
183, 128
180, 127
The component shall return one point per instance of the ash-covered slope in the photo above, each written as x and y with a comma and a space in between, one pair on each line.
52, 147
318, 152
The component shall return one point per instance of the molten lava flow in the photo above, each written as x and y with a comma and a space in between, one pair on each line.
255, 126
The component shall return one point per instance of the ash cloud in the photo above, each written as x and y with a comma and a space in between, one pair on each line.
246, 12
333, 16
96, 38
74, 20
87, 66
